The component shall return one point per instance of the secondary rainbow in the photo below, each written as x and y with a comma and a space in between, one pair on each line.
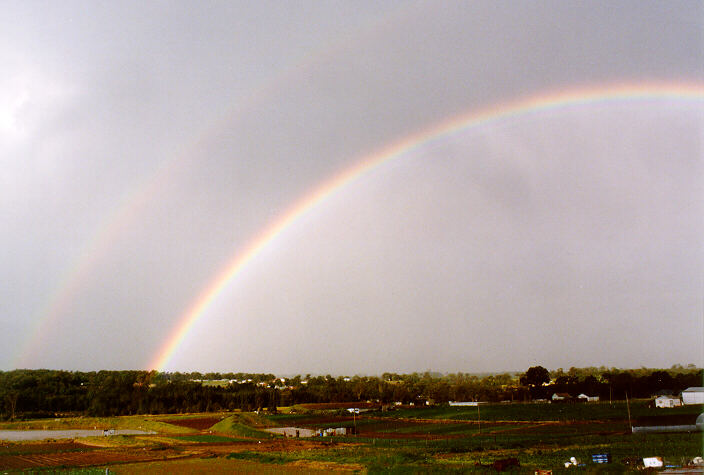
532, 104
138, 197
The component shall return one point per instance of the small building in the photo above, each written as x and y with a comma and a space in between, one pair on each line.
465, 403
667, 401
584, 398
561, 397
331, 431
693, 395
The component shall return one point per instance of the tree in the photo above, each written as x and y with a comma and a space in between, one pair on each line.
535, 376
11, 402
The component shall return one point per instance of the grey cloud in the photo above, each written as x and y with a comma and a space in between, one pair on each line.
184, 130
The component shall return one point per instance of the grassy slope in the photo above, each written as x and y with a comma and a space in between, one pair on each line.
243, 425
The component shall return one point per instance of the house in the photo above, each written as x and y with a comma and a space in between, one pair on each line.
584, 398
693, 395
667, 401
560, 397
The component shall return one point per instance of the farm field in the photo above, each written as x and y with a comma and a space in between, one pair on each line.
408, 439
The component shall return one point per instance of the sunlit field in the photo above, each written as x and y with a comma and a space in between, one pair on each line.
407, 439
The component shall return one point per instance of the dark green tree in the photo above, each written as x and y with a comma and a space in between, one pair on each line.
535, 376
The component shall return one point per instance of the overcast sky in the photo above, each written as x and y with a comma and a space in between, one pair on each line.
144, 144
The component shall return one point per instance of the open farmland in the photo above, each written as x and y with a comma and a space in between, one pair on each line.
439, 439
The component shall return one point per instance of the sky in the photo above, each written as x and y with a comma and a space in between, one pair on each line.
145, 146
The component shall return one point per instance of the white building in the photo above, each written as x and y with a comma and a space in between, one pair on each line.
667, 401
693, 395
585, 398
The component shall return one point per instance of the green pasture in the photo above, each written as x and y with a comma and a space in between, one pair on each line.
369, 457
287, 419
541, 411
413, 456
141, 422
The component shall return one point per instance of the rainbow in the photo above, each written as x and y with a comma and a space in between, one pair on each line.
138, 197
533, 104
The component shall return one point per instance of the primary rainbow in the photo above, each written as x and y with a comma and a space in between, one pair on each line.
532, 104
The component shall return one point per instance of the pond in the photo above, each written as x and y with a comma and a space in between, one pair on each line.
16, 435
292, 431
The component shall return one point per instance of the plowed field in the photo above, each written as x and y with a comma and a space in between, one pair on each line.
201, 423
82, 458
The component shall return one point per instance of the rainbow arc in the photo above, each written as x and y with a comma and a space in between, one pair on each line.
673, 91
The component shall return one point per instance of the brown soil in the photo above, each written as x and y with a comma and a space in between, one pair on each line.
271, 445
201, 423
223, 465
83, 458
39, 447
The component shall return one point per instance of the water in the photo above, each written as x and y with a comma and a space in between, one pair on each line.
16, 435
291, 431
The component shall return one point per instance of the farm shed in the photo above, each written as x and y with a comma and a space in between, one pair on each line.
667, 401
334, 431
557, 397
583, 397
671, 423
693, 395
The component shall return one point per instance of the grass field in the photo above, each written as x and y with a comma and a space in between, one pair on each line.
140, 422
409, 440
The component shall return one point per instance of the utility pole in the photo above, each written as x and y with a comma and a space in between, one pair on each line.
354, 419
479, 419
628, 407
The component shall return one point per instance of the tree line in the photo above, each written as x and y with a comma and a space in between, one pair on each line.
51, 393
